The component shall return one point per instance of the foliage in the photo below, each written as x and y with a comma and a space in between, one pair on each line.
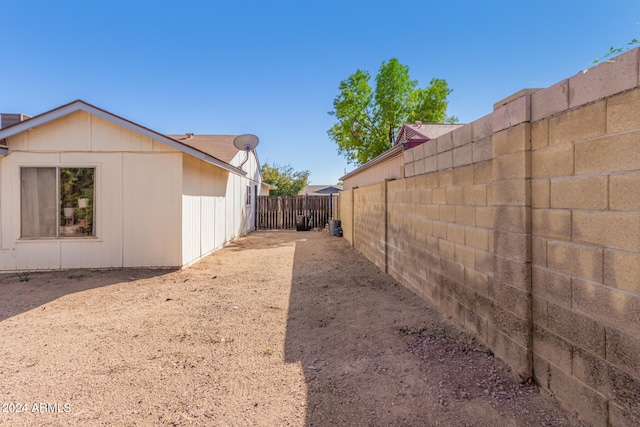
288, 181
368, 120
612, 51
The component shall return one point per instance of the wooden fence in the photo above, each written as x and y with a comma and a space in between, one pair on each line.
281, 212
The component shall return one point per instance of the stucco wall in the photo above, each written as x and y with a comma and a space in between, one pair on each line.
525, 226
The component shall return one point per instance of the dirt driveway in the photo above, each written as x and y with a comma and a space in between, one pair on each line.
279, 328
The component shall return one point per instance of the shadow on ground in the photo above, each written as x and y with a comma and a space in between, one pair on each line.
20, 292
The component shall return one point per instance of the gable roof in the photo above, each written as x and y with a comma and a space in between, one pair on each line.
416, 133
80, 105
320, 190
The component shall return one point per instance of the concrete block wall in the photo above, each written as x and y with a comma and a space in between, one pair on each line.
525, 226
585, 196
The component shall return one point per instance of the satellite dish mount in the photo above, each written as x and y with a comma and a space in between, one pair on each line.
247, 142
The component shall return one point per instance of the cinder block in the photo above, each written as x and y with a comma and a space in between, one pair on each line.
408, 156
515, 219
556, 160
455, 271
512, 245
455, 233
482, 150
455, 195
551, 223
539, 311
512, 114
551, 286
623, 350
538, 252
485, 216
610, 229
513, 192
512, 140
439, 196
475, 195
621, 115
430, 148
466, 215
425, 196
540, 193
580, 261
482, 128
431, 164
552, 348
624, 194
515, 273
477, 238
463, 175
444, 143
617, 308
580, 192
476, 281
483, 172
440, 229
541, 371
433, 211
448, 213
465, 255
462, 135
549, 101
577, 328
462, 155
621, 418
445, 178
625, 389
614, 153
445, 160
576, 125
592, 371
587, 402
446, 248
476, 324
539, 134
512, 166
485, 262
608, 78
517, 356
419, 167
622, 270
409, 169
513, 300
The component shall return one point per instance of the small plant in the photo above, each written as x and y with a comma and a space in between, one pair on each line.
612, 51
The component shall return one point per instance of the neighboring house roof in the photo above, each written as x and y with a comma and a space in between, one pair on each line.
414, 134
320, 190
389, 154
80, 105
218, 146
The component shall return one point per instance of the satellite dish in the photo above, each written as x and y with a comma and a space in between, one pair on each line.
246, 142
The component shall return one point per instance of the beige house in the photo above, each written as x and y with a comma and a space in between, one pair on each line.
83, 188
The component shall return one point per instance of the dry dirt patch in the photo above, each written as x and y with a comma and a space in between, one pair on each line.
279, 328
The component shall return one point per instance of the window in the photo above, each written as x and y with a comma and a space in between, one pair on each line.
248, 194
57, 202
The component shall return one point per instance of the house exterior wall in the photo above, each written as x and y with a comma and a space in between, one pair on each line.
525, 226
154, 205
392, 168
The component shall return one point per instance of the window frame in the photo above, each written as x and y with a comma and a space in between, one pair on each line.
59, 202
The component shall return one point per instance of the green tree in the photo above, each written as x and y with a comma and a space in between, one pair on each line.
288, 181
368, 120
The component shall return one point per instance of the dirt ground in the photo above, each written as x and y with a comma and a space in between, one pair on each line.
279, 328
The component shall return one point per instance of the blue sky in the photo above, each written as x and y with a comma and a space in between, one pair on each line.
273, 68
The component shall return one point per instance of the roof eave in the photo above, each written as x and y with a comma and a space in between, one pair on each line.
88, 108
393, 152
